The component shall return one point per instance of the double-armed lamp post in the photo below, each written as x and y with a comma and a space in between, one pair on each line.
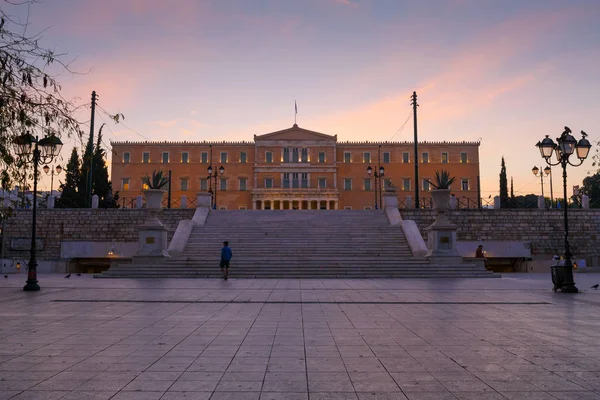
566, 146
378, 176
42, 151
214, 176
58, 170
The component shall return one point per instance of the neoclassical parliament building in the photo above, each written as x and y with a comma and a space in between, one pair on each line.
296, 168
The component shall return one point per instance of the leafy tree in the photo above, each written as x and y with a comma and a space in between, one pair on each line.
512, 194
504, 201
591, 188
527, 201
30, 97
70, 197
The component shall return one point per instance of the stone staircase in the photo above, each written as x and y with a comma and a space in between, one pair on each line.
299, 244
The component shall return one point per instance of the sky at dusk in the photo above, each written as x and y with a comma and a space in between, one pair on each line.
503, 72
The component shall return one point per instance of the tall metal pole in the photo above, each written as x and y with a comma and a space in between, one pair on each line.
51, 180
216, 191
169, 193
569, 284
542, 181
376, 193
551, 192
32, 282
478, 192
89, 186
380, 177
415, 105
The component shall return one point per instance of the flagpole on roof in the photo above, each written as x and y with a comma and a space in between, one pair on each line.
296, 111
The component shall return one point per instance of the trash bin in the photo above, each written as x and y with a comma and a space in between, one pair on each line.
561, 277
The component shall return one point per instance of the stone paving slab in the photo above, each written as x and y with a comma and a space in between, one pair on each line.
508, 338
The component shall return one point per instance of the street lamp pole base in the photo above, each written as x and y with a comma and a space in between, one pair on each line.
31, 286
569, 289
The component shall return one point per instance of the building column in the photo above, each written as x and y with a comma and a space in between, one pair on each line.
327, 204
281, 204
254, 204
262, 205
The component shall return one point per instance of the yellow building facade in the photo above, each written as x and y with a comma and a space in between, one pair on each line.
296, 168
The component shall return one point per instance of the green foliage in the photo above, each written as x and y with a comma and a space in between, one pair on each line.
504, 200
101, 185
591, 188
157, 181
70, 196
442, 180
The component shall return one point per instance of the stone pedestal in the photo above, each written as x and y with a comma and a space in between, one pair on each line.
441, 235
152, 237
203, 200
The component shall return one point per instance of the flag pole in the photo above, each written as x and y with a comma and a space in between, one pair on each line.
295, 111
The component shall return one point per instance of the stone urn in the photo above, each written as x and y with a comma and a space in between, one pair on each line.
154, 198
440, 197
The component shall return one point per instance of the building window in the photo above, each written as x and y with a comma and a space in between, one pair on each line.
322, 183
286, 180
386, 157
304, 155
243, 208
321, 157
243, 184
368, 184
223, 184
347, 157
286, 155
268, 183
223, 157
406, 184
243, 157
125, 183
368, 208
184, 183
145, 157
269, 157
304, 180
204, 158
444, 158
223, 208
185, 158
295, 155
406, 157
203, 184
145, 185
425, 158
366, 158
165, 157
463, 158
348, 184
426, 185
126, 158
464, 184
295, 181
347, 207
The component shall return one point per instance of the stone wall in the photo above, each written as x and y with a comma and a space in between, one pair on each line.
543, 228
56, 225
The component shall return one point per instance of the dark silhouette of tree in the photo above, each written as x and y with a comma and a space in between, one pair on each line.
30, 98
512, 194
590, 188
70, 196
504, 201
102, 187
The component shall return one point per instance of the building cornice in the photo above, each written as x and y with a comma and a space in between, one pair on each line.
251, 143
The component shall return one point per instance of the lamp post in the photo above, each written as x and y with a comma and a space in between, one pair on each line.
377, 176
58, 170
214, 176
566, 146
43, 151
548, 171
536, 171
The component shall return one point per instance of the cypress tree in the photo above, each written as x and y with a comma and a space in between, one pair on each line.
102, 187
70, 197
504, 201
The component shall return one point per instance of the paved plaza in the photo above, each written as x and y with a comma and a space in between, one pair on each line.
510, 338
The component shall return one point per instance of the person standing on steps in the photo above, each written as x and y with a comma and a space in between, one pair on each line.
226, 255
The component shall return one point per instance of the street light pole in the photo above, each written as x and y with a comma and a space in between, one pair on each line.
566, 146
52, 173
50, 147
548, 171
536, 171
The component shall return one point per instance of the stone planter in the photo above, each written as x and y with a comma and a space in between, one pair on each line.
154, 198
440, 197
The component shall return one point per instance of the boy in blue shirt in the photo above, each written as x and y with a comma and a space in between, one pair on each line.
225, 258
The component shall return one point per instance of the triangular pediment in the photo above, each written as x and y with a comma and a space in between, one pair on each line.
295, 133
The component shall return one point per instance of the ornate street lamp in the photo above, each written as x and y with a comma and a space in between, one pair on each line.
536, 171
377, 176
562, 276
58, 170
30, 149
214, 176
